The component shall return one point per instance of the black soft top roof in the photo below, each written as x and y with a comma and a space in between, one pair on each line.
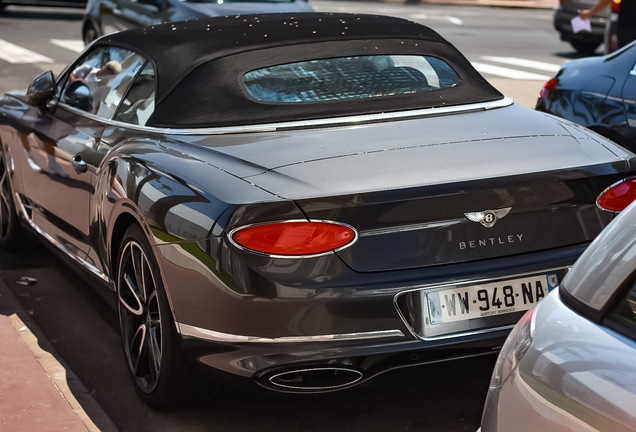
197, 62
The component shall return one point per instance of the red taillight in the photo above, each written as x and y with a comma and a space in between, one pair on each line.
294, 238
548, 88
618, 196
616, 4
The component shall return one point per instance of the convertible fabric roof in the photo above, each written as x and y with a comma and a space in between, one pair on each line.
198, 63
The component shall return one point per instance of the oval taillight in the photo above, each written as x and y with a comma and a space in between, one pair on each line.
616, 5
618, 196
294, 238
548, 88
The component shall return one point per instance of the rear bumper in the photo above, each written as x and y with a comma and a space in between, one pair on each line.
327, 367
358, 332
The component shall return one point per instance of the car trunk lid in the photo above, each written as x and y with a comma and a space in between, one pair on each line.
440, 190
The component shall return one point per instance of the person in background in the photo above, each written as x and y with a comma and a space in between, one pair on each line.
98, 80
626, 26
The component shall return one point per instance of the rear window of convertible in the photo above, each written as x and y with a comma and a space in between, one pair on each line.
349, 78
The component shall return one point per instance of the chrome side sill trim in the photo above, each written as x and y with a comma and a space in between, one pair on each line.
88, 266
214, 336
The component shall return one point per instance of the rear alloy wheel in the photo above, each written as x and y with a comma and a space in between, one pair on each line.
160, 372
10, 230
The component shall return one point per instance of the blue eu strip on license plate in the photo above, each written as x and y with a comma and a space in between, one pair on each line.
488, 299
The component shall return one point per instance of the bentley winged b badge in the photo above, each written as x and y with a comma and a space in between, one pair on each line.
488, 218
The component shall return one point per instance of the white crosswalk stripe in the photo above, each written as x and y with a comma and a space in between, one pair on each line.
69, 44
16, 54
450, 19
517, 74
530, 64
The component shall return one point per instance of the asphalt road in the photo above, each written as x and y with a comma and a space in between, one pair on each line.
516, 49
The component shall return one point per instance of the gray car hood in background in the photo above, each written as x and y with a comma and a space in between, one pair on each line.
400, 154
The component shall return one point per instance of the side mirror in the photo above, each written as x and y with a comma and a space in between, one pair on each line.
42, 88
78, 95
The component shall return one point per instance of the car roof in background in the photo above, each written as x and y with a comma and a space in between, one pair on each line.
179, 49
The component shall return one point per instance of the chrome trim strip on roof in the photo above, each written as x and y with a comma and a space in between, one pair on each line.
214, 336
303, 124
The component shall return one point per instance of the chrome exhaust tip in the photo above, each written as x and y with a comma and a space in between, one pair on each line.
315, 379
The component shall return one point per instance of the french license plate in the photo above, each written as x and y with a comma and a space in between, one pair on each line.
488, 299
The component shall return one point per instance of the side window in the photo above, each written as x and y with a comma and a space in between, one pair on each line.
139, 103
625, 311
100, 79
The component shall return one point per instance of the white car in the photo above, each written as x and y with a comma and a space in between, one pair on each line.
570, 363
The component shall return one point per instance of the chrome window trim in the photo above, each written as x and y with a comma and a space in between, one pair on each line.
407, 324
215, 336
304, 124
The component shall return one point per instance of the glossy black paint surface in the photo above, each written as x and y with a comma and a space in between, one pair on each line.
599, 93
406, 183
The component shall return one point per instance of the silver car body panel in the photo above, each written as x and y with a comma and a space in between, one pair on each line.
597, 273
575, 376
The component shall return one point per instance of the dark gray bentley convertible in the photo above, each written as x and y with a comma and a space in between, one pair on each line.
300, 201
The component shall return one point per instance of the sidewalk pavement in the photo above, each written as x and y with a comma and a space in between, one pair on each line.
38, 393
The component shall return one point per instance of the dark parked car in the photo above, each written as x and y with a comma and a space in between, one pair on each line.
598, 93
568, 365
50, 3
583, 41
300, 201
108, 16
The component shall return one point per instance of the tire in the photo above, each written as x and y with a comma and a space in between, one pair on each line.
10, 230
585, 46
161, 375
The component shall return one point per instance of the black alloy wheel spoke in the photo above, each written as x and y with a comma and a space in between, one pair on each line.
136, 348
154, 352
139, 269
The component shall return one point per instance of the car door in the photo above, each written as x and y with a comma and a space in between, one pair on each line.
135, 109
62, 154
